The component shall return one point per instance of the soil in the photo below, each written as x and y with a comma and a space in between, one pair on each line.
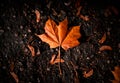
18, 27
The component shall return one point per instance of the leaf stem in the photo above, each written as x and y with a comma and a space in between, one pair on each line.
60, 60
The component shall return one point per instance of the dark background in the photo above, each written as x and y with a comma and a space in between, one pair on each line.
18, 27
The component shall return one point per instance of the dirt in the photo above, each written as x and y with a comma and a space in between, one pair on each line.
18, 27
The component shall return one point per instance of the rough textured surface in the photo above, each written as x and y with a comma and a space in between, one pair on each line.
18, 27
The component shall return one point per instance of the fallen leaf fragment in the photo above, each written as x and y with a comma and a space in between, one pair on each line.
31, 48
102, 40
86, 18
58, 35
116, 74
57, 60
105, 47
76, 78
78, 10
115, 10
88, 74
12, 66
52, 59
37, 15
15, 77
107, 12
115, 81
111, 9
77, 3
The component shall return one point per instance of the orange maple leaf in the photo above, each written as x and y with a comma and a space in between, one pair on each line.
58, 35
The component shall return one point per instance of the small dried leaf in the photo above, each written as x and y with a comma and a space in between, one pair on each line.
86, 75
105, 47
86, 18
31, 48
115, 10
12, 66
52, 59
116, 74
77, 3
57, 60
37, 15
76, 80
107, 12
102, 40
115, 81
15, 77
78, 10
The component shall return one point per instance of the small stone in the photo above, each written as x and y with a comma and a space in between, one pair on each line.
16, 42
14, 16
21, 27
29, 30
21, 69
88, 58
8, 28
48, 69
108, 61
16, 35
4, 67
25, 35
67, 3
25, 50
1, 32
21, 42
38, 52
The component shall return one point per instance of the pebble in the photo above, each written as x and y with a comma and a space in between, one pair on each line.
1, 32
67, 3
4, 67
16, 35
38, 52
108, 61
88, 58
29, 30
8, 28
25, 50
21, 27
16, 42
14, 16
48, 69
21, 69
